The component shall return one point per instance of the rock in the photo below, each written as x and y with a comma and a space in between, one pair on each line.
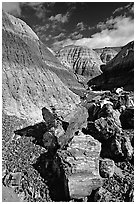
108, 111
32, 78
50, 142
127, 148
99, 193
107, 130
103, 108
118, 188
81, 60
37, 76
93, 111
48, 117
78, 120
12, 180
106, 168
119, 72
104, 125
81, 164
8, 195
117, 148
103, 128
127, 118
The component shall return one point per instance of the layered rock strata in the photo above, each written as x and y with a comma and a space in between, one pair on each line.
80, 60
119, 72
108, 53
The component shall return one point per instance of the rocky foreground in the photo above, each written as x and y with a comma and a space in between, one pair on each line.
89, 158
57, 146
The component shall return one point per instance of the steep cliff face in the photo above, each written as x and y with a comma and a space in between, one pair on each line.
32, 77
80, 60
119, 72
108, 53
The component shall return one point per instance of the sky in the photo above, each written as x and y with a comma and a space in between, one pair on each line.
91, 24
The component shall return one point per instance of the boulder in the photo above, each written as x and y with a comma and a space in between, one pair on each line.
81, 165
78, 120
103, 108
103, 128
106, 168
48, 118
12, 180
118, 148
99, 194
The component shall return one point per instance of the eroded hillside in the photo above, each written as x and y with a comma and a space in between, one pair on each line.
32, 76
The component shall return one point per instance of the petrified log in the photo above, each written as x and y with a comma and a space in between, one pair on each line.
77, 121
81, 164
71, 164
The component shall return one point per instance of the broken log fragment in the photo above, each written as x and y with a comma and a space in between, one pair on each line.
71, 165
81, 164
76, 122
